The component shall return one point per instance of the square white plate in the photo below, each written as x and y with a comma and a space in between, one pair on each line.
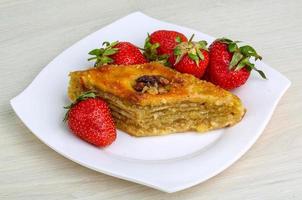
168, 163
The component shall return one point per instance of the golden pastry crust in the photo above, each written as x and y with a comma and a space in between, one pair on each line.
119, 81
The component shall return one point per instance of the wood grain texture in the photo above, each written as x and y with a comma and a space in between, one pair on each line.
33, 32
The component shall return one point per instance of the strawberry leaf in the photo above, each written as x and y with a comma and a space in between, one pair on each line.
225, 40
232, 47
193, 56
249, 51
249, 66
199, 53
164, 60
203, 44
92, 58
177, 51
260, 72
109, 52
148, 45
86, 95
113, 44
244, 62
95, 52
156, 45
235, 59
178, 39
163, 56
178, 58
106, 60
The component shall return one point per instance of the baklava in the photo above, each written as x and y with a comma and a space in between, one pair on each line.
151, 99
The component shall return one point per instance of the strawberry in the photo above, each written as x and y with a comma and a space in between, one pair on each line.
160, 44
230, 64
191, 57
118, 53
90, 119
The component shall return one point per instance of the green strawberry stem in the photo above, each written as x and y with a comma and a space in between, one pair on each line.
102, 55
193, 49
82, 97
150, 51
241, 56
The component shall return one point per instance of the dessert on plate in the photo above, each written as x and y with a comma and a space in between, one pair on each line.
151, 99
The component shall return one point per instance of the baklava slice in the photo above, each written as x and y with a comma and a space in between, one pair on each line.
151, 99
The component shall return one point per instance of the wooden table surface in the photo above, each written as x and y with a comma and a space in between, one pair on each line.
32, 33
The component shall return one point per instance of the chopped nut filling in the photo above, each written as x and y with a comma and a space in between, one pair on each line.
152, 84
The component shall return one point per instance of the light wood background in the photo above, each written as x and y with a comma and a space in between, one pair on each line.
32, 33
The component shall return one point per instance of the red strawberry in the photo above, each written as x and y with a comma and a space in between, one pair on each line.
160, 44
191, 57
118, 53
230, 65
90, 119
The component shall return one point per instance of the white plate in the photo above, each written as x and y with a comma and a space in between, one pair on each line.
168, 163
